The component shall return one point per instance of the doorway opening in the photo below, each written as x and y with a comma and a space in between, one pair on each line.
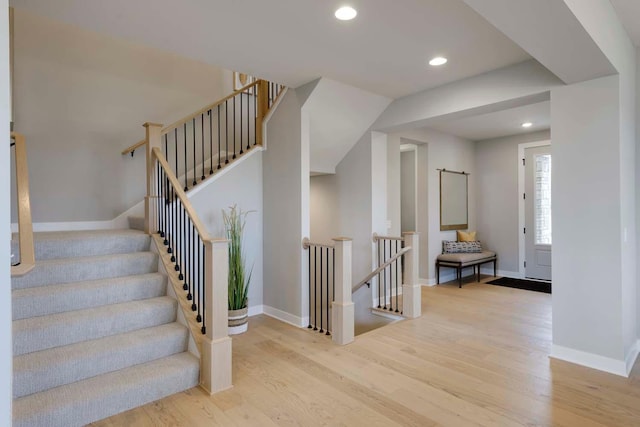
534, 185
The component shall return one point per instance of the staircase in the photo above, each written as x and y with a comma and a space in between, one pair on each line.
94, 332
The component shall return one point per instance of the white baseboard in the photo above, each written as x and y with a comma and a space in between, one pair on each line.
501, 273
427, 282
254, 310
283, 316
632, 355
596, 361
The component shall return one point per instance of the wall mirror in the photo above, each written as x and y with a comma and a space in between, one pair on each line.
453, 200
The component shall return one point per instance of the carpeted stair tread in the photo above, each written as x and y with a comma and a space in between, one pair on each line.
53, 272
99, 397
44, 300
42, 370
69, 244
40, 333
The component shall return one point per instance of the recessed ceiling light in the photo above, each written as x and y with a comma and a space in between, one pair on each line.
527, 124
346, 13
438, 60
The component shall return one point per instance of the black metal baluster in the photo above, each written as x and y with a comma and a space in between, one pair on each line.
204, 287
390, 276
255, 114
202, 144
186, 171
309, 248
241, 127
321, 285
172, 241
384, 273
188, 275
200, 271
234, 127
175, 139
210, 143
328, 291
192, 240
315, 289
248, 124
226, 130
193, 127
219, 151
178, 251
165, 187
398, 277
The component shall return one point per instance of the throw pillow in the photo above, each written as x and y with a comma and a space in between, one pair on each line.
464, 236
450, 247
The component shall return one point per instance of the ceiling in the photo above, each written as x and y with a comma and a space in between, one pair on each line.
499, 123
629, 14
384, 50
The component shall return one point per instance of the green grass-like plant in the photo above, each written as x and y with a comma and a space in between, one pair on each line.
234, 222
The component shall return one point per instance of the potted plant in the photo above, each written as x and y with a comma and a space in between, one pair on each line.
234, 222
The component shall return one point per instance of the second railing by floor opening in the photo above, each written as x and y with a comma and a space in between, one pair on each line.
330, 307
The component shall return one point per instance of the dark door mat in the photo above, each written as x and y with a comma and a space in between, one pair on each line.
529, 285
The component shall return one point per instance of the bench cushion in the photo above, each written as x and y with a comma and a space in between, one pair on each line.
467, 258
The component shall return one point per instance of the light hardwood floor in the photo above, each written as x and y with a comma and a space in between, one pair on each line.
477, 357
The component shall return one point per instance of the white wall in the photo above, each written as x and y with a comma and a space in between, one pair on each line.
394, 196
436, 150
586, 234
638, 176
81, 98
285, 163
497, 202
242, 186
324, 208
615, 124
354, 178
6, 355
408, 190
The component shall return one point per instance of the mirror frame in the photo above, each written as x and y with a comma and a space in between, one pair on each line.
444, 226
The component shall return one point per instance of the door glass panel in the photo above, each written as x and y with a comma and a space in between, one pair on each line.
542, 200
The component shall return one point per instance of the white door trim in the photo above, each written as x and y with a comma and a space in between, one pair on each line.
521, 248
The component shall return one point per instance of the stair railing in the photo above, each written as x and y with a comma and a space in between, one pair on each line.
331, 310
25, 226
397, 268
202, 143
200, 263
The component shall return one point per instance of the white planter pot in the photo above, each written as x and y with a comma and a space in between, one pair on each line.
238, 321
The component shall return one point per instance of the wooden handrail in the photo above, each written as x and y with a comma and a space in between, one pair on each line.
379, 269
306, 243
182, 121
25, 226
202, 231
277, 98
376, 237
134, 147
203, 110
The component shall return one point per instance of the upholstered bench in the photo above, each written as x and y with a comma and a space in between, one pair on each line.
463, 260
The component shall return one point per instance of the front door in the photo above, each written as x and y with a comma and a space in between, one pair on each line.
537, 196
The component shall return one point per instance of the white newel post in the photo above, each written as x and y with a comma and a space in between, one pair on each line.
342, 313
411, 289
215, 360
154, 139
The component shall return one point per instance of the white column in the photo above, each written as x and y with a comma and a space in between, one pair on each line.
411, 289
154, 139
342, 313
215, 362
